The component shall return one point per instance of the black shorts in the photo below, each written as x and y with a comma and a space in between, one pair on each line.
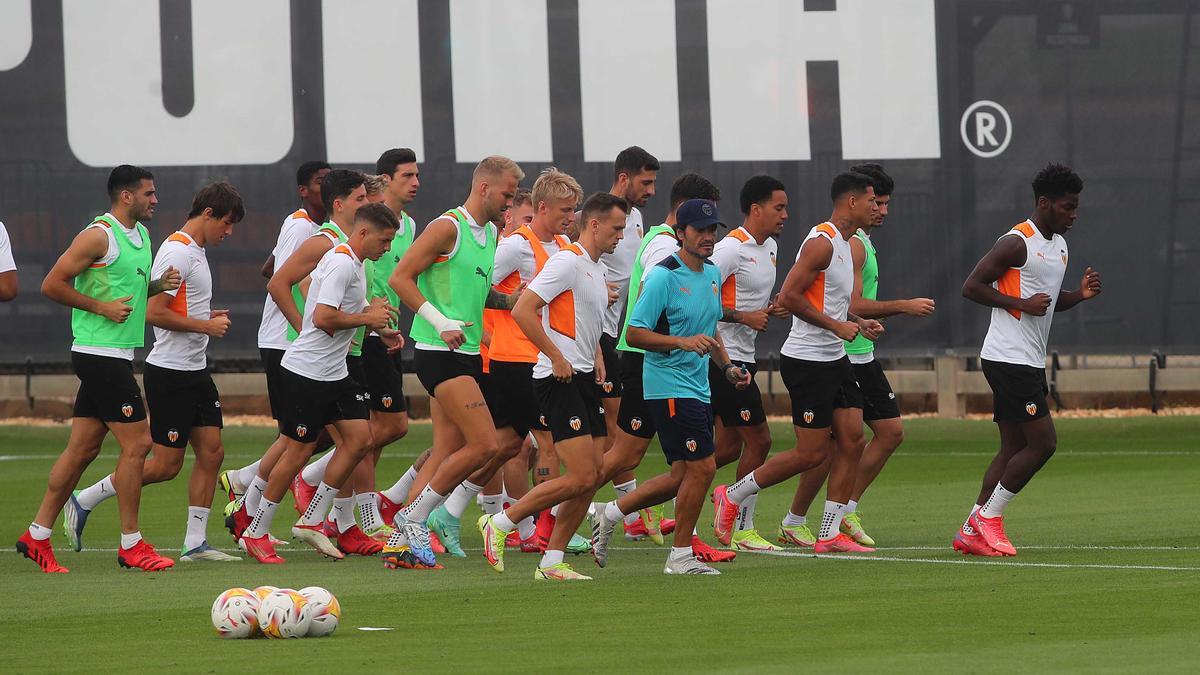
107, 389
817, 388
311, 404
635, 417
357, 368
434, 367
270, 361
736, 407
179, 401
685, 428
879, 401
571, 409
1018, 392
384, 376
611, 387
510, 398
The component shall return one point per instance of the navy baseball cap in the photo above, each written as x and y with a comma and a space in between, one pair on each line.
699, 213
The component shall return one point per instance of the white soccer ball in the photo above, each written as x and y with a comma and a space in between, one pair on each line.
263, 591
326, 611
235, 613
284, 614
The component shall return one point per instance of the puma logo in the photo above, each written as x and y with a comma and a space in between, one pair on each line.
480, 272
141, 272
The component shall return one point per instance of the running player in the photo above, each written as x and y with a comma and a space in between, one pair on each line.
446, 277
319, 388
1021, 280
746, 259
818, 376
8, 268
180, 393
104, 277
563, 314
675, 320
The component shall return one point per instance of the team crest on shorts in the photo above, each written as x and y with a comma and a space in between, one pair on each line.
301, 430
607, 387
691, 444
127, 410
745, 414
808, 416
575, 423
387, 401
1031, 408
173, 435
635, 423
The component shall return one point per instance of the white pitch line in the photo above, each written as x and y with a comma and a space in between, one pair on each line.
49, 458
996, 563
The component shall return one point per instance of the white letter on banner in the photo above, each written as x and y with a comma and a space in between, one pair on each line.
16, 32
242, 75
501, 73
372, 69
887, 77
628, 78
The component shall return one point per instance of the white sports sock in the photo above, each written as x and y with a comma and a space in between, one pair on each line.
851, 506
457, 502
491, 503
793, 520
831, 520
996, 503
263, 515
966, 527
319, 507
396, 540
343, 513
91, 496
423, 505
39, 533
622, 490
368, 511
130, 540
254, 494
314, 472
613, 512
743, 488
197, 527
551, 558
745, 519
554, 510
503, 522
242, 477
399, 492
525, 529
681, 552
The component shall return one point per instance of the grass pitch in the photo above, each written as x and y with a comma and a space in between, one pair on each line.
1108, 578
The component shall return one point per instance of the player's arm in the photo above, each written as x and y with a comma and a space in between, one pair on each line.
651, 303
88, 247
326, 315
498, 300
296, 269
815, 256
169, 280
1089, 287
268, 267
525, 313
8, 285
1007, 253
879, 309
159, 315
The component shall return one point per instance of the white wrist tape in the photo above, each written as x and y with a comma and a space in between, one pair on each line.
438, 320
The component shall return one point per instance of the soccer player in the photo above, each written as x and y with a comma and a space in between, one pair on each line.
184, 404
446, 277
511, 355
104, 277
319, 388
818, 376
1021, 280
746, 259
562, 312
519, 214
880, 410
8, 268
675, 320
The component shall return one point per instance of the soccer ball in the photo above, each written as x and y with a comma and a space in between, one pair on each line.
326, 611
235, 613
284, 614
263, 591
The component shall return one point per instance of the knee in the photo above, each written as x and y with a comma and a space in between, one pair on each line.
705, 468
808, 458
138, 449
167, 467
84, 454
893, 439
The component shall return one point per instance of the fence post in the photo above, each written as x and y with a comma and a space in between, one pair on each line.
949, 402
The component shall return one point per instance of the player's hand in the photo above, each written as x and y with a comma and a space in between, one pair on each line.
392, 339
378, 314
1089, 287
218, 323
919, 307
455, 338
170, 279
777, 310
739, 377
870, 329
614, 293
756, 320
1036, 304
600, 371
116, 310
846, 330
698, 344
516, 295
561, 368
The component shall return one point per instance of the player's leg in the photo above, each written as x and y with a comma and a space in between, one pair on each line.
886, 436
135, 444
210, 452
351, 468
571, 514
756, 444
446, 520
848, 447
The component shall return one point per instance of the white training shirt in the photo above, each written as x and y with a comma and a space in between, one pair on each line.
573, 286
296, 229
657, 250
747, 279
110, 256
619, 265
179, 350
830, 294
1014, 337
339, 281
6, 255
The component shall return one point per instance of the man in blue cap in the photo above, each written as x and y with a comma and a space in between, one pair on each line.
675, 321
